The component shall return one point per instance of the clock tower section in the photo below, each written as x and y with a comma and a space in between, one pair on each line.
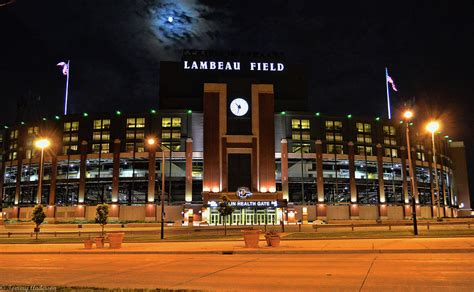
239, 149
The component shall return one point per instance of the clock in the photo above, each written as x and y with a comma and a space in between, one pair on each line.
239, 107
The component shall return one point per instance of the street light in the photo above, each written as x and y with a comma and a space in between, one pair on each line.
152, 142
433, 127
408, 115
41, 143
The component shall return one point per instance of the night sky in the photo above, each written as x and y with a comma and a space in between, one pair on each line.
115, 48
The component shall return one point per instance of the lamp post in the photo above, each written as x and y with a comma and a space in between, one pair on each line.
42, 144
151, 142
432, 127
408, 115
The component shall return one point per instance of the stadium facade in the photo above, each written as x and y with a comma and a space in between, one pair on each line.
236, 125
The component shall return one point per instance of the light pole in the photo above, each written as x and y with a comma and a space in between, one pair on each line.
151, 142
41, 143
432, 127
408, 115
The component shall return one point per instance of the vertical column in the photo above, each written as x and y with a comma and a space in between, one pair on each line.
2, 177
212, 120
263, 127
115, 171
319, 171
432, 182
19, 171
189, 170
352, 180
151, 173
254, 166
403, 155
415, 180
54, 172
284, 169
380, 173
354, 209
82, 172
224, 168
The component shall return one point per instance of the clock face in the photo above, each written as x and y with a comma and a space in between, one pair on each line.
239, 107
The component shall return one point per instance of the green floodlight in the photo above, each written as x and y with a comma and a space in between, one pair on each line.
85, 114
450, 141
44, 119
318, 114
446, 137
153, 111
401, 122
377, 119
6, 127
190, 111
57, 117
411, 123
349, 116
22, 123
283, 113
118, 113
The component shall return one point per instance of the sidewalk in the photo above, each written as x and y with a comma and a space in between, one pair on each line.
340, 246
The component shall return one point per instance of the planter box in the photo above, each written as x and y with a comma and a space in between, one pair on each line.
116, 239
251, 238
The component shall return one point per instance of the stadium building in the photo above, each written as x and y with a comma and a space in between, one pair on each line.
229, 124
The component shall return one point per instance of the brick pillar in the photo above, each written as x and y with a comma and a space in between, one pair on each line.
404, 175
151, 173
2, 177
415, 180
82, 172
319, 172
432, 182
54, 172
352, 180
284, 169
380, 173
115, 171
19, 170
189, 170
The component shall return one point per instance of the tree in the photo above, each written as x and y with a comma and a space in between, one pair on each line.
101, 215
225, 209
38, 217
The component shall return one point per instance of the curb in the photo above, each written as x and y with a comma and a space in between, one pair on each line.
253, 251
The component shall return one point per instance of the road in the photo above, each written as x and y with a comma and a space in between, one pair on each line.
245, 272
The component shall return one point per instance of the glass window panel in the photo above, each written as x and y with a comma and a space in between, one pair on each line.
105, 135
105, 124
96, 136
305, 124
140, 134
97, 124
295, 124
130, 134
166, 122
75, 126
176, 122
67, 127
131, 123
360, 127
140, 123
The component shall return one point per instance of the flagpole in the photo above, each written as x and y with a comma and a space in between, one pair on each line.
388, 94
67, 87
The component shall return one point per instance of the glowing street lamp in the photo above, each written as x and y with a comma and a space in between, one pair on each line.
41, 144
433, 127
152, 142
408, 115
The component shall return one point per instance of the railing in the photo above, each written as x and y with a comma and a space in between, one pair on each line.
389, 225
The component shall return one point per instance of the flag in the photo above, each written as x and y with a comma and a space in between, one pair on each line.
65, 67
390, 80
